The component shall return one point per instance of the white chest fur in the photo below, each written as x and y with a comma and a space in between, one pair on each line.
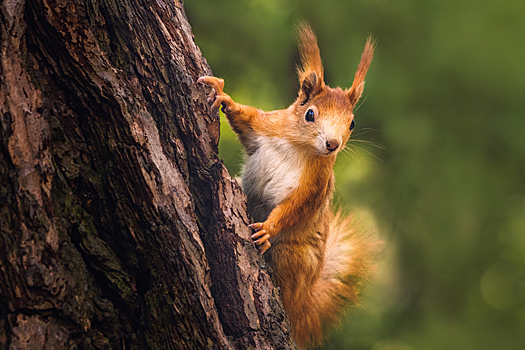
270, 174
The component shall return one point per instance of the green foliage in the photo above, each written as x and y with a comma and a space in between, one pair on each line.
446, 192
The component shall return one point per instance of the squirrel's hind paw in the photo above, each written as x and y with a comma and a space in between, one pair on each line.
260, 237
264, 247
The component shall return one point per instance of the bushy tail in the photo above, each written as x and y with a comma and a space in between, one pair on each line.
348, 266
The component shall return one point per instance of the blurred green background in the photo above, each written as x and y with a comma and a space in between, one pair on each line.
437, 160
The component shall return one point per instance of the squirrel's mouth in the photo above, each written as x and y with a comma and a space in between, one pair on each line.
328, 153
331, 151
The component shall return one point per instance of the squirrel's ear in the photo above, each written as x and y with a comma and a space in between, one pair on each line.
354, 93
311, 70
310, 86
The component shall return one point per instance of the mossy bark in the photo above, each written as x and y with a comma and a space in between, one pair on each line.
119, 226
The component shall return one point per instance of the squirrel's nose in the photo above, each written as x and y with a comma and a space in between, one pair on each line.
331, 145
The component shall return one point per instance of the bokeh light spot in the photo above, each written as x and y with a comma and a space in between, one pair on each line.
502, 286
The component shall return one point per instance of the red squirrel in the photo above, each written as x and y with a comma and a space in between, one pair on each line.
319, 259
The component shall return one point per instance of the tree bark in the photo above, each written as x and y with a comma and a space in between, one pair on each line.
119, 226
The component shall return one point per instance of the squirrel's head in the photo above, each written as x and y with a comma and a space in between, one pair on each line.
325, 115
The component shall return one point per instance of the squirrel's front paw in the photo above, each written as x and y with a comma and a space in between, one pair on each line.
261, 236
216, 83
217, 96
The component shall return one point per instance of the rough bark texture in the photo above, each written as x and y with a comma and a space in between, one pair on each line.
119, 227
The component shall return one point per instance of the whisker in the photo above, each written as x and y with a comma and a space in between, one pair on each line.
369, 153
353, 154
348, 151
371, 143
362, 101
362, 131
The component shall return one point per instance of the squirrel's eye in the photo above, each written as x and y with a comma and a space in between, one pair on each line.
352, 125
309, 116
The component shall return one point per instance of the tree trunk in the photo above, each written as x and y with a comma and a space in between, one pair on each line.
120, 228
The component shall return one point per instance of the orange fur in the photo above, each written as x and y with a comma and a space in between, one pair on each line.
319, 259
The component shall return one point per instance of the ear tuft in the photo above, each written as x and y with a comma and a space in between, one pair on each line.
311, 73
355, 92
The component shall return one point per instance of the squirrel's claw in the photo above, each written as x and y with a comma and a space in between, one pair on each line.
256, 226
